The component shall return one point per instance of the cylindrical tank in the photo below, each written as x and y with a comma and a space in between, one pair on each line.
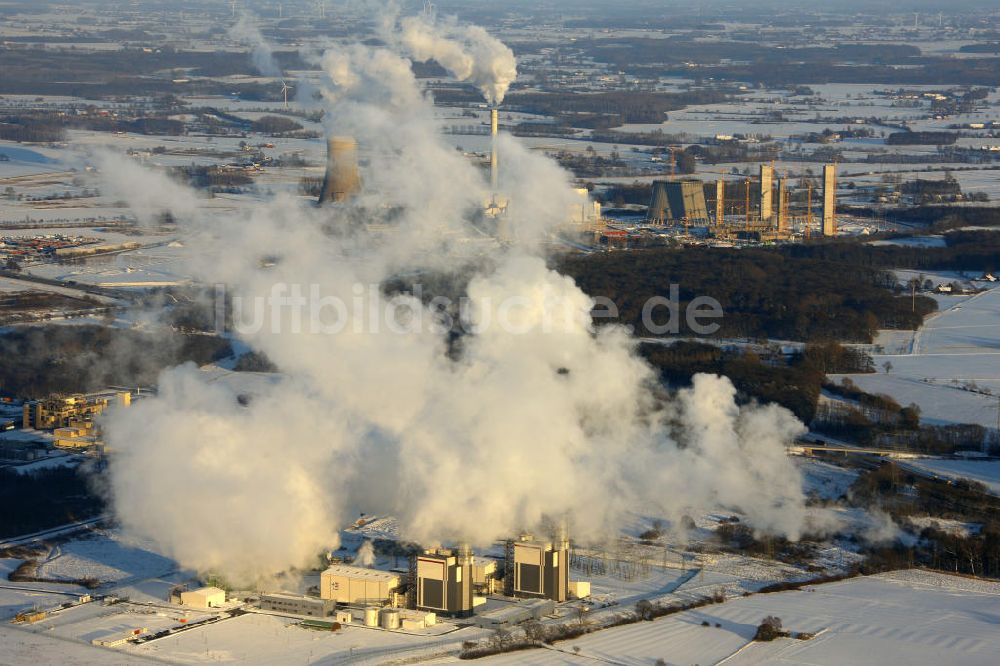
371, 617
390, 618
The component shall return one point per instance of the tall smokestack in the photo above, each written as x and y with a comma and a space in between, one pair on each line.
341, 181
494, 129
766, 185
830, 200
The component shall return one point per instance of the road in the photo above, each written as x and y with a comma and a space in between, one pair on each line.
62, 530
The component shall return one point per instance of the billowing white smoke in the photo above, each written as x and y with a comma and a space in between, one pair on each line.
469, 53
246, 32
366, 555
536, 413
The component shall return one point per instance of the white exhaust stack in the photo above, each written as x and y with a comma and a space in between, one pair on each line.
494, 129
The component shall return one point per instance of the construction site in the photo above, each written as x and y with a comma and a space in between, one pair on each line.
764, 209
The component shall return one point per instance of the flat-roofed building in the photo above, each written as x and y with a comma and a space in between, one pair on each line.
296, 604
357, 585
204, 597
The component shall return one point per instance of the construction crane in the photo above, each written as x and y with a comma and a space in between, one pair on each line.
748, 203
808, 209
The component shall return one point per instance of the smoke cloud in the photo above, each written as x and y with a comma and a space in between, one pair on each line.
245, 31
366, 555
468, 52
543, 416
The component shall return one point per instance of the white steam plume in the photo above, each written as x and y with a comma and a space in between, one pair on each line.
366, 555
245, 31
542, 417
468, 52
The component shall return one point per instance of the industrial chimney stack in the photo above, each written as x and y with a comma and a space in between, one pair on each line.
341, 181
494, 129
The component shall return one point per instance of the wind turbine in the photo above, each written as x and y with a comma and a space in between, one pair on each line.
284, 91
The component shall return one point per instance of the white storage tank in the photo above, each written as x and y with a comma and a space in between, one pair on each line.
390, 618
371, 617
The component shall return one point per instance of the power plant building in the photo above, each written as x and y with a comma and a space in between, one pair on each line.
537, 569
357, 585
676, 201
341, 180
442, 581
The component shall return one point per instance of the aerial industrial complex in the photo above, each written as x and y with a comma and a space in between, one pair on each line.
185, 451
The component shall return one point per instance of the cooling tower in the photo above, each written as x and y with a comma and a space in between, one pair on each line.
341, 181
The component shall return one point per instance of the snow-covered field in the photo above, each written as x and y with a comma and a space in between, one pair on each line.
106, 557
949, 364
910, 617
266, 639
983, 471
824, 480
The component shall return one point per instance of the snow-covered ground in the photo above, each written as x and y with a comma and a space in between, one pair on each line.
824, 480
983, 471
266, 639
105, 556
951, 366
911, 617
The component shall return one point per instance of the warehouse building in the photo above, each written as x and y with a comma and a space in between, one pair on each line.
506, 616
357, 585
295, 604
204, 597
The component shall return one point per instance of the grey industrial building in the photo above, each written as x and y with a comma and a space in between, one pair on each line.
677, 201
294, 604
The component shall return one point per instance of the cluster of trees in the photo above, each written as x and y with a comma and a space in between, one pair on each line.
972, 250
763, 294
611, 109
50, 126
795, 386
904, 494
78, 359
928, 189
794, 382
733, 151
275, 125
43, 499
943, 218
42, 132
214, 178
921, 139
